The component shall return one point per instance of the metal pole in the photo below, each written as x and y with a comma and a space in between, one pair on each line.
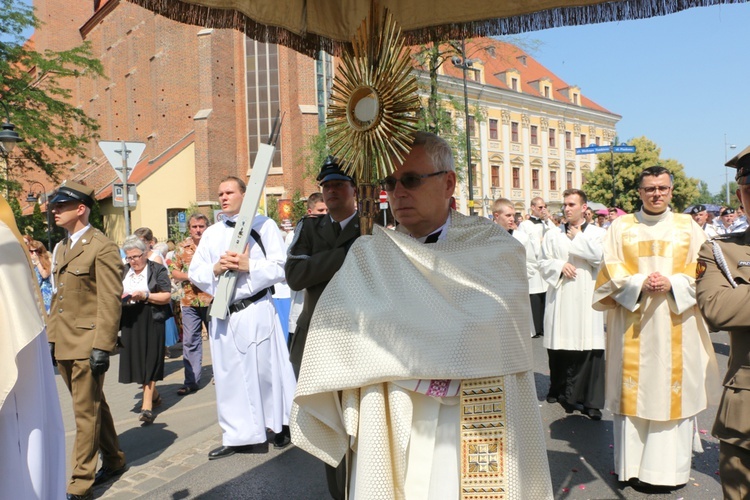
614, 185
49, 222
124, 175
468, 135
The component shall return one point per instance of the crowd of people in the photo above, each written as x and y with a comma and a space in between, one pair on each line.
402, 360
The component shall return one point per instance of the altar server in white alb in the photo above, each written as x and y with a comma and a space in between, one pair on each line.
574, 330
254, 379
32, 436
661, 368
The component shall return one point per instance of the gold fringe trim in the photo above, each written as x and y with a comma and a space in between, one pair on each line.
311, 44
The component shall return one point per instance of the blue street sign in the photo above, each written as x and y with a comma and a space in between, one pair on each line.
592, 150
624, 149
181, 217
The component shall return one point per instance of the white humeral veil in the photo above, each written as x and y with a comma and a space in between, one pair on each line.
400, 310
32, 436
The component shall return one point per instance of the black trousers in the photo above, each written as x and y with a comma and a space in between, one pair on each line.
537, 311
577, 376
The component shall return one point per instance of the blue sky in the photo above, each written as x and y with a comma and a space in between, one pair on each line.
680, 80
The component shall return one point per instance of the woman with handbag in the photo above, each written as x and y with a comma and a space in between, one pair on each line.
145, 309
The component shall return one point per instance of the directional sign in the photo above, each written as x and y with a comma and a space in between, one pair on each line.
624, 149
113, 150
592, 150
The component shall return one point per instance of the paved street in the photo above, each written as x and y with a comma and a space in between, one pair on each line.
168, 460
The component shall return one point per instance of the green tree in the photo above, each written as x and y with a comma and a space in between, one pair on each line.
272, 209
704, 195
32, 86
627, 167
720, 198
314, 154
299, 207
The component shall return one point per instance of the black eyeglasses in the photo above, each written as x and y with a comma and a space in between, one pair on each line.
408, 180
134, 257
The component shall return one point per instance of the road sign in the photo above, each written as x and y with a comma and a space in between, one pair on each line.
624, 149
592, 150
118, 199
113, 150
383, 200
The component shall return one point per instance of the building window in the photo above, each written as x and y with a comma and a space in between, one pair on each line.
516, 177
514, 131
477, 181
569, 180
493, 129
535, 178
514, 83
575, 98
553, 180
597, 140
583, 141
495, 176
472, 74
546, 92
534, 135
472, 127
552, 140
568, 140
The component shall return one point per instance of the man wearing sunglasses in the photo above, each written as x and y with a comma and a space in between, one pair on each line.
421, 328
661, 368
83, 323
321, 242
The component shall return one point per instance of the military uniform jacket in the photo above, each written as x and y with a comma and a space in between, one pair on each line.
725, 308
316, 253
85, 310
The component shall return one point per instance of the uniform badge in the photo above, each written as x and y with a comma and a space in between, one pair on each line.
700, 269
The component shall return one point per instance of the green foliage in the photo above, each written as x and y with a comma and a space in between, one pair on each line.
174, 233
272, 209
299, 207
627, 167
314, 154
720, 198
32, 86
704, 195
95, 217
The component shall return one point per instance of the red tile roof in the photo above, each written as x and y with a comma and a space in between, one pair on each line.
498, 57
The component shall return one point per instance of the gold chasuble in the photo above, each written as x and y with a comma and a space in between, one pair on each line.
400, 316
660, 360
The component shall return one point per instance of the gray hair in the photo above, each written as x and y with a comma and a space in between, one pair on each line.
437, 149
133, 242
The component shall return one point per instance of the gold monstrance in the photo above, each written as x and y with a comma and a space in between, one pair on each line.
373, 108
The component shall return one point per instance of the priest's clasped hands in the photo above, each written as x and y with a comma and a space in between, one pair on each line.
233, 261
657, 283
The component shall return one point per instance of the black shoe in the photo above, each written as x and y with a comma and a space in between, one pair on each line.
282, 439
147, 417
185, 390
551, 400
570, 407
222, 452
106, 473
85, 496
593, 413
653, 489
538, 335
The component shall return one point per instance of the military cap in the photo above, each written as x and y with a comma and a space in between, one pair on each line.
727, 211
697, 209
331, 171
742, 163
73, 191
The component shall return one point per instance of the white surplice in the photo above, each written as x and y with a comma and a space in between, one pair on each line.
570, 323
32, 436
254, 378
660, 360
535, 229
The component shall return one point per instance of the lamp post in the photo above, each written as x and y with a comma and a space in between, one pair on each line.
466, 64
727, 147
486, 201
8, 140
32, 198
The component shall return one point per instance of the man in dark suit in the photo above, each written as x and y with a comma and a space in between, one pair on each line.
318, 250
722, 293
83, 323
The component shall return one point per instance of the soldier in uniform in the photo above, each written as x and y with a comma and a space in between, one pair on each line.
723, 276
318, 250
83, 323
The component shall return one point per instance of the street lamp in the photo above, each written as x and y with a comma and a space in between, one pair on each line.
486, 202
727, 147
466, 64
32, 198
8, 139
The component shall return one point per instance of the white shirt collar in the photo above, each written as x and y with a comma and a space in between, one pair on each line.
77, 235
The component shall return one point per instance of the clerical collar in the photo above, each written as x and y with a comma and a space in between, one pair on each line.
229, 220
535, 220
344, 222
437, 235
583, 226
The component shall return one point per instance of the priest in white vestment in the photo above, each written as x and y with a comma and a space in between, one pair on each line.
418, 359
574, 330
661, 368
32, 436
254, 379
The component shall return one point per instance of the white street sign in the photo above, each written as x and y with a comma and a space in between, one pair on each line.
113, 151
